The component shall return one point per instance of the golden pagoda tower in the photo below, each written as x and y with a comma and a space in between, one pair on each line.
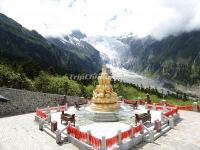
104, 98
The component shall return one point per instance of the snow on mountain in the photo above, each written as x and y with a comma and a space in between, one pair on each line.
112, 51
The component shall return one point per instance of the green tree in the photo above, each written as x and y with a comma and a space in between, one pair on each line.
41, 82
10, 78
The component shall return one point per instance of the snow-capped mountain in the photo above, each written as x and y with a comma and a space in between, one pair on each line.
75, 44
112, 50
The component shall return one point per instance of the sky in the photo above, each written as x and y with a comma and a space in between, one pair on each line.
158, 18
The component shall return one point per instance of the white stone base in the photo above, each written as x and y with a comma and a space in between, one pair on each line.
105, 117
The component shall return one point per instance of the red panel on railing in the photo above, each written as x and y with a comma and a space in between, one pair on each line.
143, 101
41, 114
176, 110
62, 107
95, 141
77, 133
71, 130
167, 113
111, 141
171, 112
159, 104
81, 135
158, 107
188, 107
137, 129
149, 106
126, 134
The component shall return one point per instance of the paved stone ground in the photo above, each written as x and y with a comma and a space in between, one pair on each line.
22, 133
185, 135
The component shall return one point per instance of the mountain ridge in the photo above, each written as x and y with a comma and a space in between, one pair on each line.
175, 57
22, 48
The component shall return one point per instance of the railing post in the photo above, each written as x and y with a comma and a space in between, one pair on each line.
48, 110
154, 106
88, 137
41, 124
58, 108
195, 106
132, 133
171, 122
119, 137
151, 136
77, 127
163, 101
142, 131
103, 143
49, 118
36, 116
164, 107
177, 116
68, 124
37, 109
145, 105
66, 107
58, 136
162, 116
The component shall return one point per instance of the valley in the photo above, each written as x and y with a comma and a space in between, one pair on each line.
130, 59
127, 58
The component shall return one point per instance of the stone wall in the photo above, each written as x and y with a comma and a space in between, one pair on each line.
23, 101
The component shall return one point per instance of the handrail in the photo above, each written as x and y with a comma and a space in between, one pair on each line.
75, 132
166, 117
184, 107
146, 128
64, 129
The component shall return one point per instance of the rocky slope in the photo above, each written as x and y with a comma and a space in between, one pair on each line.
75, 45
176, 58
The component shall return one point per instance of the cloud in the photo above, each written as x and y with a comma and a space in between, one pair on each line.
184, 17
113, 18
72, 3
105, 17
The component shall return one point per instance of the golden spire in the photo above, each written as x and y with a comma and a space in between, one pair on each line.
104, 98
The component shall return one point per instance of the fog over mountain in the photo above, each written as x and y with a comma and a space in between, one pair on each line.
158, 18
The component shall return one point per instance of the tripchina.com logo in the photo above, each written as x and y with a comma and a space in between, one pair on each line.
84, 76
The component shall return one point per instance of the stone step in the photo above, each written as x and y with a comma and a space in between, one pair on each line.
106, 120
162, 128
163, 131
105, 117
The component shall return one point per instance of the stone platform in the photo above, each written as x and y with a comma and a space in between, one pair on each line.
21, 132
